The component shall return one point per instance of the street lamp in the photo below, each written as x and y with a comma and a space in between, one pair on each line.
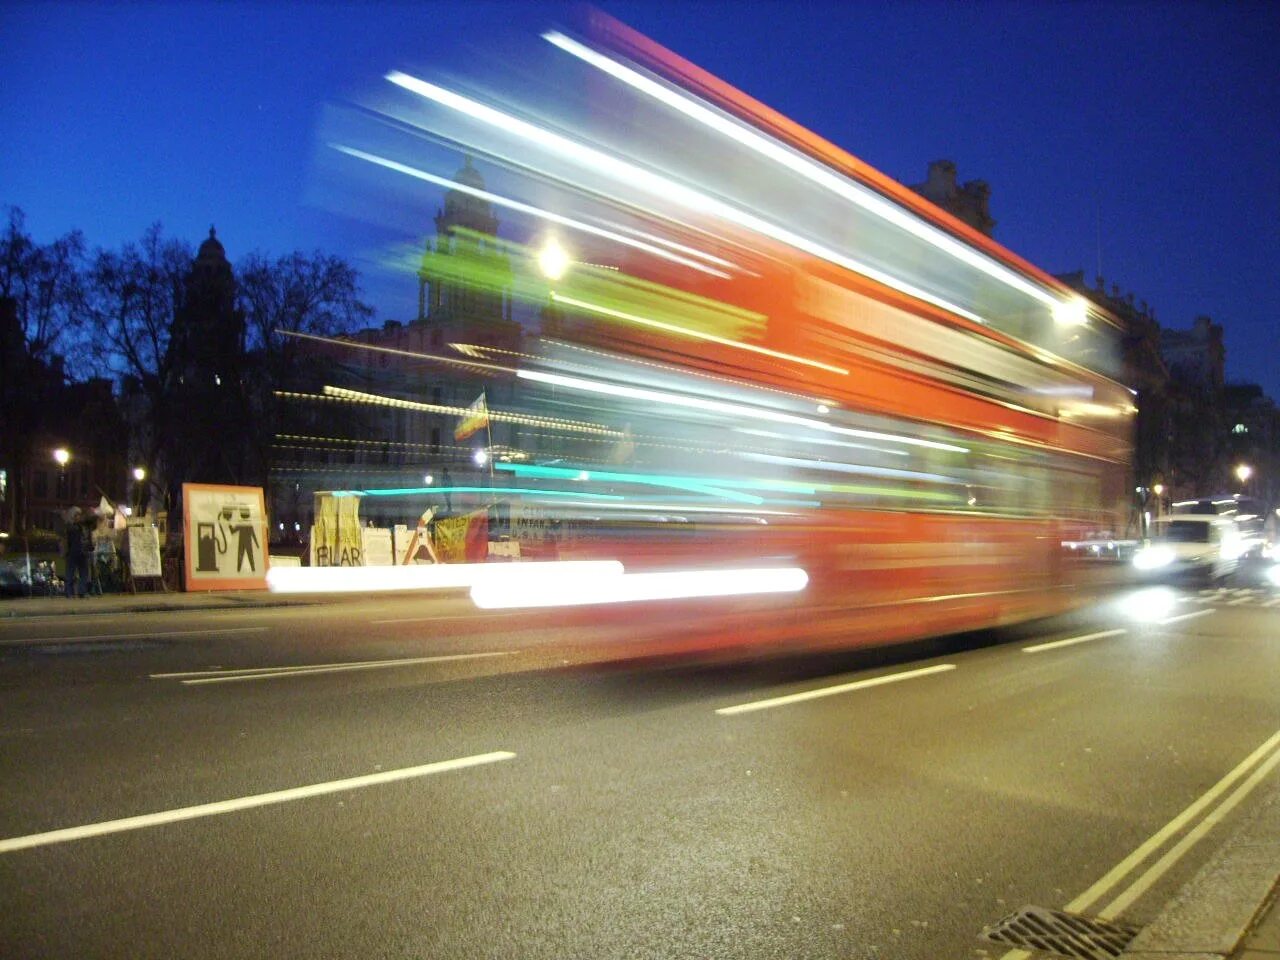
553, 261
139, 474
1244, 472
62, 457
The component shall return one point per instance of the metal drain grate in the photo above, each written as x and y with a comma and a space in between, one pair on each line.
1062, 934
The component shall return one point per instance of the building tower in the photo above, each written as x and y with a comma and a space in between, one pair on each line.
464, 283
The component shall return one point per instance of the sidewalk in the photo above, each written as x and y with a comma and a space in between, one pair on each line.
1228, 911
1264, 940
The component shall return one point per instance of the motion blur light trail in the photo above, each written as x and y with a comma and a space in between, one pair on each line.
609, 587
548, 215
441, 576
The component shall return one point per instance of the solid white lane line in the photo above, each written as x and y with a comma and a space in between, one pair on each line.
136, 636
46, 617
831, 691
224, 672
1238, 601
274, 673
1161, 866
246, 803
1185, 616
1158, 839
1069, 641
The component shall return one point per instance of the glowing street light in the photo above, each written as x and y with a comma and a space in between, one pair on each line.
428, 479
553, 261
1071, 313
1244, 472
62, 456
139, 474
481, 457
1158, 489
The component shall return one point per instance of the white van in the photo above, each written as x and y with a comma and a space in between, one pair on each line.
1203, 546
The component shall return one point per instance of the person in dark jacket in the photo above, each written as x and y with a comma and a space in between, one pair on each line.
77, 553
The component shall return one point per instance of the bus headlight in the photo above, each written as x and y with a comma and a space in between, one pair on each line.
1153, 558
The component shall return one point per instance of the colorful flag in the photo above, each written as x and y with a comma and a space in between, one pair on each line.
477, 416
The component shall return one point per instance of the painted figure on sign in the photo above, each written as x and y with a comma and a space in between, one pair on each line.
247, 543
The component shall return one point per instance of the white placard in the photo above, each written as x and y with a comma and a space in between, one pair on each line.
144, 550
378, 551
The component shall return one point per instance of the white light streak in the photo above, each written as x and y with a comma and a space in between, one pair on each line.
441, 576
731, 409
661, 187
632, 587
854, 468
798, 163
556, 218
820, 440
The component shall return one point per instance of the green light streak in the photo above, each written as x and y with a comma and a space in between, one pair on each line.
417, 491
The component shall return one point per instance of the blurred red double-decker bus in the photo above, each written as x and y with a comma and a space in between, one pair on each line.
796, 402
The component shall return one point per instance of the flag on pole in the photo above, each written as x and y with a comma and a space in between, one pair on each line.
477, 416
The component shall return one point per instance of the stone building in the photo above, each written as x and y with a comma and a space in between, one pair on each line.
407, 382
1252, 423
968, 202
1197, 366
1143, 371
203, 432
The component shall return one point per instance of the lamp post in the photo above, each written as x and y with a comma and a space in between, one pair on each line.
139, 490
62, 457
1243, 473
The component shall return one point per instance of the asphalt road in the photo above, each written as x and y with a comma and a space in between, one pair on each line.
598, 809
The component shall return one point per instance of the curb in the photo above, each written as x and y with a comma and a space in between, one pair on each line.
1211, 916
89, 609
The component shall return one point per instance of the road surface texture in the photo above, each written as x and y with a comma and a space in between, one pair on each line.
397, 778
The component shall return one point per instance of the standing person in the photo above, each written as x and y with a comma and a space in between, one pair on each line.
77, 554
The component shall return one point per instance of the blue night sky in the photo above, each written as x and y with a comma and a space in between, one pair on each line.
1154, 126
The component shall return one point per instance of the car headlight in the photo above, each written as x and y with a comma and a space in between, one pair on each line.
1152, 558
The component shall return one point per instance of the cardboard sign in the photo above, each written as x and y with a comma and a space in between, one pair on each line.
224, 537
378, 551
144, 550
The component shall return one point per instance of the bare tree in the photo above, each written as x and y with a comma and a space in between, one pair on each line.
46, 284
317, 294
41, 320
133, 297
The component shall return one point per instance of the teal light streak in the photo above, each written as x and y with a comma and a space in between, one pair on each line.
692, 484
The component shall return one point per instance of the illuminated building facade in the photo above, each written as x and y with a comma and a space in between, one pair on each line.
385, 417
